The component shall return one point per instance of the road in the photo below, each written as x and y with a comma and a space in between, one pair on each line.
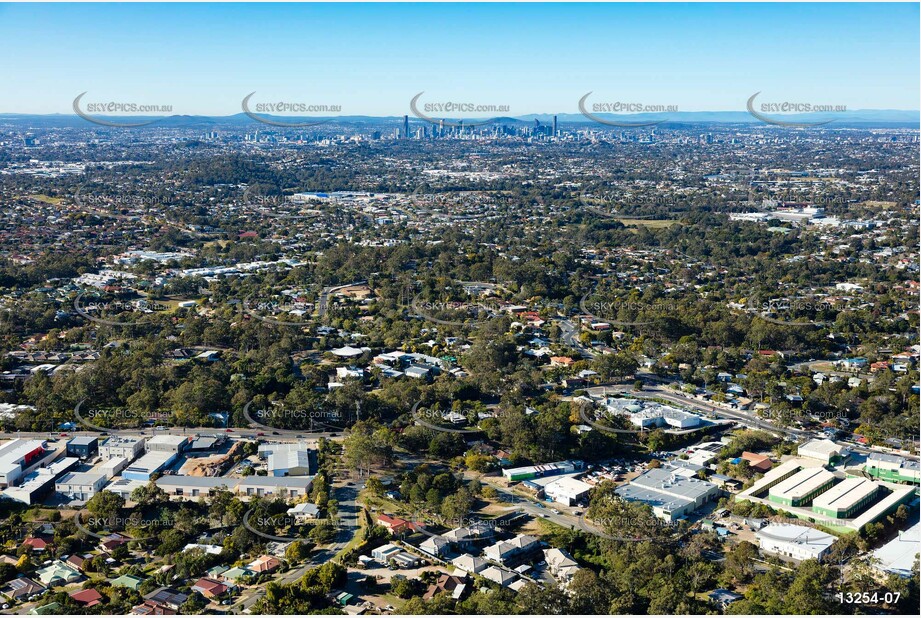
346, 492
323, 301
570, 336
687, 401
281, 435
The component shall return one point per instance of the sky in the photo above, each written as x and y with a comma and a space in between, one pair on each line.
371, 59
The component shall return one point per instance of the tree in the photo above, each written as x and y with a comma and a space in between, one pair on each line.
457, 506
368, 448
193, 605
105, 505
806, 594
543, 600
374, 486
589, 595
296, 552
615, 366
739, 561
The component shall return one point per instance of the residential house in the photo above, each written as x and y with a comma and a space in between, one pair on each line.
470, 564
761, 463
87, 598
51, 609
264, 564
501, 576
112, 542
304, 512
209, 588
21, 588
506, 550
76, 561
168, 597
466, 536
723, 598
132, 582
153, 608
450, 584
395, 525
37, 543
562, 566
235, 574
435, 545
58, 573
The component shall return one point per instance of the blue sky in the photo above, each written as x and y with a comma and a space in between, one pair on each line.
536, 58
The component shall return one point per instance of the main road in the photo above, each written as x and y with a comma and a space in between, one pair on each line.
684, 400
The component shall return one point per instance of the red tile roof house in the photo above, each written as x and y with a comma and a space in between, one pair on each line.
210, 588
112, 541
396, 525
757, 462
37, 543
264, 564
87, 598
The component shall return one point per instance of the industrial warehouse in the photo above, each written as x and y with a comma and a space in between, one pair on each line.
670, 494
804, 488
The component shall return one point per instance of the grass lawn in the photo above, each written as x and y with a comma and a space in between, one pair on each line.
47, 199
651, 223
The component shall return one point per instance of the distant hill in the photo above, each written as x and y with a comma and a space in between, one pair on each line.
887, 117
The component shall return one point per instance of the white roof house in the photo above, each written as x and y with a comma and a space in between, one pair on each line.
470, 564
501, 576
289, 462
80, 485
167, 443
15, 458
561, 564
434, 545
304, 510
503, 550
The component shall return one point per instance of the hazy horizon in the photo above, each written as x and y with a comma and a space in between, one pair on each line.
370, 60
